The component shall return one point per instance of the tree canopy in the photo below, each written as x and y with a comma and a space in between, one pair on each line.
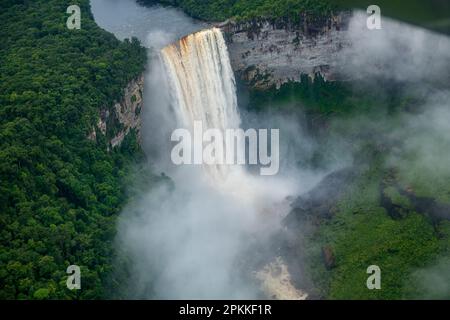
59, 191
218, 10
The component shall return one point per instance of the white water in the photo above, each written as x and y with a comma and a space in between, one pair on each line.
203, 87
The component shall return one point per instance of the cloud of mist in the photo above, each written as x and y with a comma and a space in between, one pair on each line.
187, 241
183, 244
427, 135
433, 282
398, 51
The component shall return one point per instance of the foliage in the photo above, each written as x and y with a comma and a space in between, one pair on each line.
432, 15
59, 191
362, 234
217, 10
315, 95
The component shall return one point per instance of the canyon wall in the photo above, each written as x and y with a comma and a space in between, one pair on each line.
265, 53
116, 122
262, 53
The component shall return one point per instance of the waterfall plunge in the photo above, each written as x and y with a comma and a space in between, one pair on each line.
203, 85
203, 89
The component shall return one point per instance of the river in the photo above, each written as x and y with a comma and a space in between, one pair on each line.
154, 26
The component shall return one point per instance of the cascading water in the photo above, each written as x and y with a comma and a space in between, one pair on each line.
203, 88
203, 85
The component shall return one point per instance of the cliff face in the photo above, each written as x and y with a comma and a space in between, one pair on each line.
116, 123
264, 54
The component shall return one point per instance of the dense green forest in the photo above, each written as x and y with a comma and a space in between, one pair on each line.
218, 10
59, 191
433, 15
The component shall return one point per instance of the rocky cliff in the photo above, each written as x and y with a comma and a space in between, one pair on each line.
116, 122
264, 53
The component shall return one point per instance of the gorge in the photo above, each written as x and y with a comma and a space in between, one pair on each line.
241, 214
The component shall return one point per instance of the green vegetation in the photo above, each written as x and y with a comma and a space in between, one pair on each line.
59, 191
410, 246
432, 14
311, 95
362, 234
327, 98
397, 199
428, 178
219, 10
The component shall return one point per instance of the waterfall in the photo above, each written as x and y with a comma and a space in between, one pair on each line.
201, 230
203, 87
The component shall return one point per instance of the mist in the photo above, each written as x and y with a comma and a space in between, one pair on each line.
398, 52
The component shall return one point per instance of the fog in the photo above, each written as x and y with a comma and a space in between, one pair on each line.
398, 51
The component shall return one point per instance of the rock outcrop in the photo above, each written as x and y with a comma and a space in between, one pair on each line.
116, 122
264, 53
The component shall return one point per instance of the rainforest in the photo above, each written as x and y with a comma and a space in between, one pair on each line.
358, 208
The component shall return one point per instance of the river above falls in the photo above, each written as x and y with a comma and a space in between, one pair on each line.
154, 26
